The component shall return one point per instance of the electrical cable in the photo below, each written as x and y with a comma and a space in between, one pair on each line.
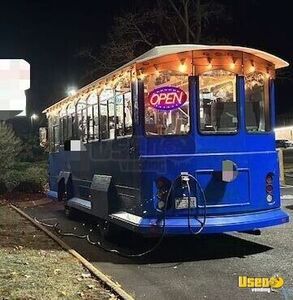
202, 223
100, 244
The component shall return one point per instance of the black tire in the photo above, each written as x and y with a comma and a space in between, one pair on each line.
70, 212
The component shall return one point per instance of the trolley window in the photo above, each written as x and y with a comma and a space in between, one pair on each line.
91, 101
166, 104
71, 121
107, 122
257, 102
53, 130
81, 119
123, 105
218, 102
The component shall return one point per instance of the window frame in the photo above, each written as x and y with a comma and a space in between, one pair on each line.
124, 118
71, 119
107, 123
238, 106
190, 112
56, 146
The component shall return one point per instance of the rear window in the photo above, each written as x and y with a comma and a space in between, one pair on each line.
218, 102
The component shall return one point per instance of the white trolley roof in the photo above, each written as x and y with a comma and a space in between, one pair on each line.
161, 51
172, 49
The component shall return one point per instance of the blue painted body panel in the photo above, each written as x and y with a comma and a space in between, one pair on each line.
238, 205
218, 224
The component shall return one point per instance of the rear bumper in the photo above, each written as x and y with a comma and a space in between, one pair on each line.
214, 224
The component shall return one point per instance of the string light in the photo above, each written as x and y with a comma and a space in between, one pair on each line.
157, 72
252, 67
141, 75
182, 67
233, 63
210, 63
268, 75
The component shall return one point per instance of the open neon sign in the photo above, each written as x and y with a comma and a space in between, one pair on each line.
167, 98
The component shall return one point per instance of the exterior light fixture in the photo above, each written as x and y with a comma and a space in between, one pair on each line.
71, 91
268, 75
252, 67
182, 67
233, 63
157, 72
141, 75
34, 117
210, 63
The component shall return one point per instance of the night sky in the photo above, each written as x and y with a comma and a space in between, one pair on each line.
50, 34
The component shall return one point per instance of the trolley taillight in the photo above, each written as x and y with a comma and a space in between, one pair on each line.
269, 187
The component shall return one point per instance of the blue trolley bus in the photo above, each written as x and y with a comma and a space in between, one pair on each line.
180, 138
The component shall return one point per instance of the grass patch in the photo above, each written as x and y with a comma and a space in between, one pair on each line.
33, 266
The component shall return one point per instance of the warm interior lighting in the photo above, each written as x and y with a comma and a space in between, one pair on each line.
252, 67
233, 63
141, 75
157, 72
268, 75
182, 66
210, 63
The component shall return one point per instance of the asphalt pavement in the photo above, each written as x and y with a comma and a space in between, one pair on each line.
204, 267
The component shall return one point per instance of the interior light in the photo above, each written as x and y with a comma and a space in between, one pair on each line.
232, 65
268, 75
157, 72
210, 63
182, 66
141, 75
252, 67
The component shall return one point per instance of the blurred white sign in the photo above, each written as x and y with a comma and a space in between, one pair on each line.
14, 80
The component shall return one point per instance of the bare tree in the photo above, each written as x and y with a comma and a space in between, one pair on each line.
163, 22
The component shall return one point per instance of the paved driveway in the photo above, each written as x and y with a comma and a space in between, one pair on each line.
204, 267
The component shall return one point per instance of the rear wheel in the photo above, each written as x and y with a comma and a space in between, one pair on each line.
70, 212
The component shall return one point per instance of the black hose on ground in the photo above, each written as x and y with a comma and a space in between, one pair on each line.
183, 177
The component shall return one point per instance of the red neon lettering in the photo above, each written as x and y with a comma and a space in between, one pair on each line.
164, 99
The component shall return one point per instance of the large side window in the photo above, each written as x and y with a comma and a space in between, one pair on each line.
257, 102
107, 127
54, 137
92, 122
96, 122
119, 115
63, 126
123, 108
71, 121
127, 114
218, 102
81, 119
166, 99
111, 106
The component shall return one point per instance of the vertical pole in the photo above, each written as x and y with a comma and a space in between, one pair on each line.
281, 165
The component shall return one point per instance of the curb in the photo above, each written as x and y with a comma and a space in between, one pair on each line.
101, 276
